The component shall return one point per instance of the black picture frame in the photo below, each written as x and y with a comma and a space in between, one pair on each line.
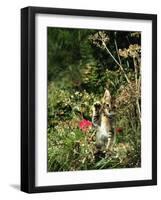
28, 98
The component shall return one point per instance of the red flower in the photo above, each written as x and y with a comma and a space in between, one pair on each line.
119, 130
84, 125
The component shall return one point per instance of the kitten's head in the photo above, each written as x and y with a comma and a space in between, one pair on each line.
106, 102
108, 105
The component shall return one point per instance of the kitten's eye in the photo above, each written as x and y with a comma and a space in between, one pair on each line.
107, 105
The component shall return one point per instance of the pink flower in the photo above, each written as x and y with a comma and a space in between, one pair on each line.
84, 125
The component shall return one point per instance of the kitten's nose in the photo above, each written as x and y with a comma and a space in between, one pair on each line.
110, 108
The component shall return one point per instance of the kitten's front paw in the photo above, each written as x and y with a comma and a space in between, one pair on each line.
97, 105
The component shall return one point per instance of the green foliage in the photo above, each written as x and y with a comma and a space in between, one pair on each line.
80, 66
69, 148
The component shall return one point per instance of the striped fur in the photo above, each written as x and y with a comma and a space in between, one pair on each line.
102, 121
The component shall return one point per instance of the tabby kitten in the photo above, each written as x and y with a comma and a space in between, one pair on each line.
103, 121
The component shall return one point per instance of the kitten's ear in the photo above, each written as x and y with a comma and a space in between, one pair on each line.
107, 95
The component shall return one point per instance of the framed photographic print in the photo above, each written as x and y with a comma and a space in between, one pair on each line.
88, 99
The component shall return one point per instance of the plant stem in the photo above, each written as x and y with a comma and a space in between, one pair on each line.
137, 83
117, 51
138, 106
116, 62
127, 62
136, 73
138, 90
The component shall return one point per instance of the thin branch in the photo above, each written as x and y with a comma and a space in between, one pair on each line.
137, 82
127, 79
117, 51
138, 106
127, 62
136, 73
138, 90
